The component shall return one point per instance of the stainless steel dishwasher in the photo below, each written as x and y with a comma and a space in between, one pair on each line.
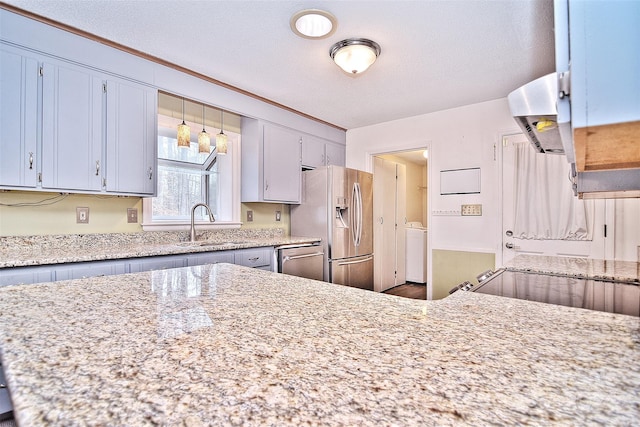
303, 261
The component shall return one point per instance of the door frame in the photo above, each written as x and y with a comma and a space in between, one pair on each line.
413, 146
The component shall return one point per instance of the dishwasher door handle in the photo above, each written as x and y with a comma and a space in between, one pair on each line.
294, 257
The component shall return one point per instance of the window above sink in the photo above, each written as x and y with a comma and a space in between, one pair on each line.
186, 176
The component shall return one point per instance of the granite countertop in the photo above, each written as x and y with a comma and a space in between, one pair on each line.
598, 269
228, 345
42, 250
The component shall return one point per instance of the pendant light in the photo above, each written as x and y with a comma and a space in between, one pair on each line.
204, 142
184, 133
221, 138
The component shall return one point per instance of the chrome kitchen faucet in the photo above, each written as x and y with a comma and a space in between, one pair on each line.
193, 210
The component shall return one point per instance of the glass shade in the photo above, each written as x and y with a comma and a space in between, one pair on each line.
355, 59
221, 143
204, 142
184, 135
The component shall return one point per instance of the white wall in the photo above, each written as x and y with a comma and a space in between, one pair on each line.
463, 137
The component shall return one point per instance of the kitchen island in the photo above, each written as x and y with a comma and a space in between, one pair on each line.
228, 345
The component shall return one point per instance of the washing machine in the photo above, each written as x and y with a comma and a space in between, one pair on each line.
416, 253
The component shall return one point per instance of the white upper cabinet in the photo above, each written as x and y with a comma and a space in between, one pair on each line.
313, 152
131, 138
18, 119
334, 154
320, 152
282, 167
66, 127
72, 131
604, 57
271, 163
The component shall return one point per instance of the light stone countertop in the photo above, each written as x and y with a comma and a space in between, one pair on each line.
621, 271
24, 251
228, 345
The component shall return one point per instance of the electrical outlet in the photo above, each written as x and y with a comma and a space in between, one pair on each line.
471, 210
249, 216
82, 215
278, 215
132, 215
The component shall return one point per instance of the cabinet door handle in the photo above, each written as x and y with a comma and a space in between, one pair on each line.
254, 259
31, 160
150, 173
266, 186
97, 167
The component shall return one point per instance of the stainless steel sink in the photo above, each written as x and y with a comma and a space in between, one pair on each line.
210, 243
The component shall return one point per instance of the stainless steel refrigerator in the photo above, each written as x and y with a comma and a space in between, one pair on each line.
337, 206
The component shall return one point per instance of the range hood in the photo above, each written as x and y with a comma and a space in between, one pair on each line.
542, 110
534, 108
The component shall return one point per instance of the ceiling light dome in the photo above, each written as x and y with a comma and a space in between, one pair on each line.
313, 24
355, 55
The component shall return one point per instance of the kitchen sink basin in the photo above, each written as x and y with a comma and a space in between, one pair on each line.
210, 243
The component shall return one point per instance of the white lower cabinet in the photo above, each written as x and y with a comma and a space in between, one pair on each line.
255, 258
210, 258
261, 258
26, 275
137, 265
88, 269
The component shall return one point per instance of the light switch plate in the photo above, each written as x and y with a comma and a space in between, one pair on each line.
471, 210
278, 215
82, 215
132, 215
249, 216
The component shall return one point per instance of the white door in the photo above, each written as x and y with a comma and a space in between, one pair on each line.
384, 173
512, 246
389, 217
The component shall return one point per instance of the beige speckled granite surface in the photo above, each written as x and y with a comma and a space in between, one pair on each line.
228, 345
623, 271
22, 251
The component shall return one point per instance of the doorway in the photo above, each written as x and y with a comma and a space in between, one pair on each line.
400, 201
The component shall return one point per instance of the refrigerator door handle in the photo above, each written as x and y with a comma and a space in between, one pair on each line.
359, 213
356, 214
369, 258
354, 218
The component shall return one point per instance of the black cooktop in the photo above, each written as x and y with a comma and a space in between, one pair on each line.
613, 297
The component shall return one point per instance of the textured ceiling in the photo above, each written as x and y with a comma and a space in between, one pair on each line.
435, 54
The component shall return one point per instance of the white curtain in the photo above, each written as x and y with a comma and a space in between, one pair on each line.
545, 207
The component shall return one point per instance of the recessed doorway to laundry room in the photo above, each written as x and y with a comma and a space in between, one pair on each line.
400, 195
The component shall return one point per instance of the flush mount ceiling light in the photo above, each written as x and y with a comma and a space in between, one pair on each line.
313, 24
355, 55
